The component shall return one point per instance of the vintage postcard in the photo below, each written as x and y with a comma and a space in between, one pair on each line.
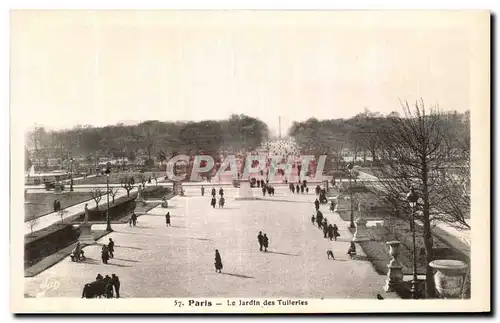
175, 161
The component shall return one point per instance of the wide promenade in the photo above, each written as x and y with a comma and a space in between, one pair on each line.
153, 260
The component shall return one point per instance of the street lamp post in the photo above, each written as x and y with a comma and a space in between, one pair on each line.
71, 174
412, 200
108, 222
349, 170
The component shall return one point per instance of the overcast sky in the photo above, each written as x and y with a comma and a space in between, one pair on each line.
101, 68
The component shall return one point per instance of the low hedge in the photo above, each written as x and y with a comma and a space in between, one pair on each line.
122, 206
61, 235
58, 237
152, 192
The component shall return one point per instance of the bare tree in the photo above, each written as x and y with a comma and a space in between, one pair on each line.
33, 223
96, 196
112, 192
416, 144
128, 184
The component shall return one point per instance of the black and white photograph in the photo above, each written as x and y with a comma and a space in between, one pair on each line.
250, 161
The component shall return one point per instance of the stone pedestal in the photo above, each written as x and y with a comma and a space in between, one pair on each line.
361, 233
245, 192
449, 277
395, 273
86, 235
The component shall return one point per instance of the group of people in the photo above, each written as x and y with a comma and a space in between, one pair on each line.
329, 231
107, 251
299, 188
213, 202
266, 188
321, 192
263, 241
109, 284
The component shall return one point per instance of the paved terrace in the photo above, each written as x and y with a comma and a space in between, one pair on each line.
153, 260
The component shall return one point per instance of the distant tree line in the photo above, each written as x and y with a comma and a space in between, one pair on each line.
155, 139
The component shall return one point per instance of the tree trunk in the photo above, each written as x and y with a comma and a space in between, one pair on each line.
429, 274
128, 193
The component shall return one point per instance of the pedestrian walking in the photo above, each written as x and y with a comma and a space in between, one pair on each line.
330, 232
313, 219
264, 191
221, 192
325, 230
213, 191
115, 281
218, 261
213, 202
167, 219
260, 238
335, 232
316, 204
104, 254
111, 248
202, 190
134, 219
265, 242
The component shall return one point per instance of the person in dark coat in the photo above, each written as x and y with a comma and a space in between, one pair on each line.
325, 230
293, 188
109, 287
167, 219
115, 281
104, 254
265, 242
221, 192
134, 219
352, 249
335, 232
260, 237
332, 206
307, 190
313, 219
99, 277
213, 191
272, 191
318, 189
325, 222
218, 261
264, 191
268, 189
55, 205
213, 202
316, 204
297, 189
202, 190
330, 232
302, 189
319, 219
111, 248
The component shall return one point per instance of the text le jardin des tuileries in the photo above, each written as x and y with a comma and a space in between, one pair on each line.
240, 302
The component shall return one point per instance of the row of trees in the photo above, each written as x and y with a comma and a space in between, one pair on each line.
155, 139
423, 148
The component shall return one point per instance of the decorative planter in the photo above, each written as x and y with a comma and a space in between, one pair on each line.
449, 277
361, 233
395, 273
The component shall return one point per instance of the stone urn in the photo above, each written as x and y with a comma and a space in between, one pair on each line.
449, 277
395, 273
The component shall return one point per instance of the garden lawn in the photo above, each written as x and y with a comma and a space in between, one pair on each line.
115, 178
39, 204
